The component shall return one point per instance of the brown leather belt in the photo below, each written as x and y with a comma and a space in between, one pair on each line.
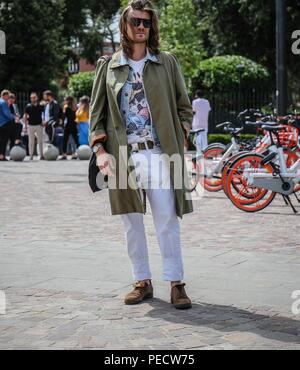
141, 146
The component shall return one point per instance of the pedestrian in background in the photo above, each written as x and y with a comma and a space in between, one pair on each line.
70, 130
82, 118
5, 118
52, 115
201, 109
33, 118
15, 129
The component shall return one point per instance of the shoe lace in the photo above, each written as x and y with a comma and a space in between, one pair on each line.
140, 284
181, 290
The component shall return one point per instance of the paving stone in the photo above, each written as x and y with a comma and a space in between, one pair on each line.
66, 272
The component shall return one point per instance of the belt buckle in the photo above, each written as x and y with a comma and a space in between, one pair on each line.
135, 147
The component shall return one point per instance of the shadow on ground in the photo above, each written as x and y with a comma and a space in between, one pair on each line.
230, 319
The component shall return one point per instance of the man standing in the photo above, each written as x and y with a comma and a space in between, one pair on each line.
15, 125
5, 118
52, 115
140, 103
34, 119
201, 109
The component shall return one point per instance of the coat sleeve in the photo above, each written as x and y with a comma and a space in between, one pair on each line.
98, 107
184, 106
7, 113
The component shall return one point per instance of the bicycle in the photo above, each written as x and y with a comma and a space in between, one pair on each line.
210, 162
254, 180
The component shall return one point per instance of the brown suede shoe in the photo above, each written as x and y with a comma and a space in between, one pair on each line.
142, 291
179, 298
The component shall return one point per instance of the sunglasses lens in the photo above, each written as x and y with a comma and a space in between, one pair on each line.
147, 23
137, 21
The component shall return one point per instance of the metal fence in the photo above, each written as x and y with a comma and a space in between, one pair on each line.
22, 100
227, 105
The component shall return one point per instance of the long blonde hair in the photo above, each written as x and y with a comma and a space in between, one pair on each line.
84, 104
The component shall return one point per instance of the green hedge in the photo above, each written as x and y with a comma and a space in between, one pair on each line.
81, 84
226, 139
221, 73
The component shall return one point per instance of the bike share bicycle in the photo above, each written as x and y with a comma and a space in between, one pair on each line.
208, 165
253, 180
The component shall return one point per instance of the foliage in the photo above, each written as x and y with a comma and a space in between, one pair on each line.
35, 49
222, 73
41, 34
180, 34
159, 4
81, 84
248, 28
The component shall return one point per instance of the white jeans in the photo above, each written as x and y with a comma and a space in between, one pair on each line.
202, 141
34, 131
162, 202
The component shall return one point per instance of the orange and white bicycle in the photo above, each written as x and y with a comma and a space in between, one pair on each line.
253, 180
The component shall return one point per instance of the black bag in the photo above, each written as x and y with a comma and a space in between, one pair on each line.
97, 181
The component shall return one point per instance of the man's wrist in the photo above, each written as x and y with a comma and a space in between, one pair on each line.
98, 147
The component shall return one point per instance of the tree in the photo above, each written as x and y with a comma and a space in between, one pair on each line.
159, 4
97, 28
41, 37
34, 48
247, 28
180, 34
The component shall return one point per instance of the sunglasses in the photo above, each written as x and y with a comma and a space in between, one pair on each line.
137, 21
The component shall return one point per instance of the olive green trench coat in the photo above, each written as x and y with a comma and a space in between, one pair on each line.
171, 112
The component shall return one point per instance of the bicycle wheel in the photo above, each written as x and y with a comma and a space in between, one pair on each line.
293, 157
193, 173
212, 157
226, 169
245, 197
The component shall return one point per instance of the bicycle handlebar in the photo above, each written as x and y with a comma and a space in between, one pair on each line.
221, 125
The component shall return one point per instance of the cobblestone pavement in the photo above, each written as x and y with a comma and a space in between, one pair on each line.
64, 271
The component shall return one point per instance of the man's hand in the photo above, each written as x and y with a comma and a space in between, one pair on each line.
105, 162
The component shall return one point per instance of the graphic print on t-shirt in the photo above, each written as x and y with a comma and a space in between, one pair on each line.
138, 118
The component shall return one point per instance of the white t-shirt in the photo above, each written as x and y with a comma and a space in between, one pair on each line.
202, 108
137, 66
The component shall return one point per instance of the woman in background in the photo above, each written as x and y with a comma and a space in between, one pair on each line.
69, 112
82, 118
